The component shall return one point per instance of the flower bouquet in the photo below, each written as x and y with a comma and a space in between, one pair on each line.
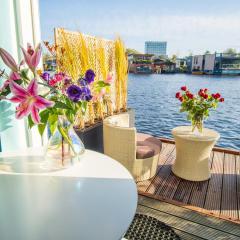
52, 101
198, 106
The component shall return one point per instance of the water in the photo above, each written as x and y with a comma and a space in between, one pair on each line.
157, 109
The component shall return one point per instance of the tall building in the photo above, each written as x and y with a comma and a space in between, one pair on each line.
156, 48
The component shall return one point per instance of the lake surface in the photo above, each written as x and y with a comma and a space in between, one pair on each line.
157, 109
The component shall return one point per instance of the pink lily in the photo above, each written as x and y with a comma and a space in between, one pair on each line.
29, 100
8, 60
32, 57
13, 77
109, 78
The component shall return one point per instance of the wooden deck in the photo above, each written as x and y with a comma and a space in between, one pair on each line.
219, 196
188, 224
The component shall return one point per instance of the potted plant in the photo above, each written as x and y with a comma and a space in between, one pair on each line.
57, 105
198, 106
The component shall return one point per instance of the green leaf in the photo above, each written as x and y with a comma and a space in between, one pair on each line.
69, 103
52, 120
84, 107
44, 115
102, 84
41, 128
61, 105
64, 133
30, 122
70, 116
24, 74
7, 90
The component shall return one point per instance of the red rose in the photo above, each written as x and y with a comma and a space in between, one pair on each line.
201, 93
178, 95
221, 100
189, 95
216, 96
181, 99
205, 96
205, 90
184, 88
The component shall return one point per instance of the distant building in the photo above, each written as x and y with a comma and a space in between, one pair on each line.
164, 65
209, 63
226, 63
156, 48
197, 63
140, 63
181, 64
216, 63
189, 64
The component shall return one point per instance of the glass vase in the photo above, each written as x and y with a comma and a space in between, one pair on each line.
197, 125
64, 146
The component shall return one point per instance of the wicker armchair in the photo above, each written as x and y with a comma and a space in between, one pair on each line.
138, 152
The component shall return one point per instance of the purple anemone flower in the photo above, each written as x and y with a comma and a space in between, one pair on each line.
74, 92
45, 76
89, 76
86, 94
82, 82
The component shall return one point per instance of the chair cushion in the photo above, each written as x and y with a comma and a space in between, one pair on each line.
147, 146
144, 152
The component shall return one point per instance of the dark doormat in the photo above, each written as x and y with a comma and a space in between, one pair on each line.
144, 227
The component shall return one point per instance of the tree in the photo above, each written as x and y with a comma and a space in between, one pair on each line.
207, 52
174, 58
132, 51
230, 51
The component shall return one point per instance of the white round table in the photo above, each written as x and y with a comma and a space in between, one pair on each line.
94, 199
193, 153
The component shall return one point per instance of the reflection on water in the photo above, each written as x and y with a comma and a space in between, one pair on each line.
157, 109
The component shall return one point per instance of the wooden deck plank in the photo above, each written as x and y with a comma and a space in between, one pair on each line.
170, 182
190, 215
199, 190
180, 224
183, 191
214, 191
229, 189
157, 180
169, 187
219, 196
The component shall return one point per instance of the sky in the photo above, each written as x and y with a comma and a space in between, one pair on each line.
188, 26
